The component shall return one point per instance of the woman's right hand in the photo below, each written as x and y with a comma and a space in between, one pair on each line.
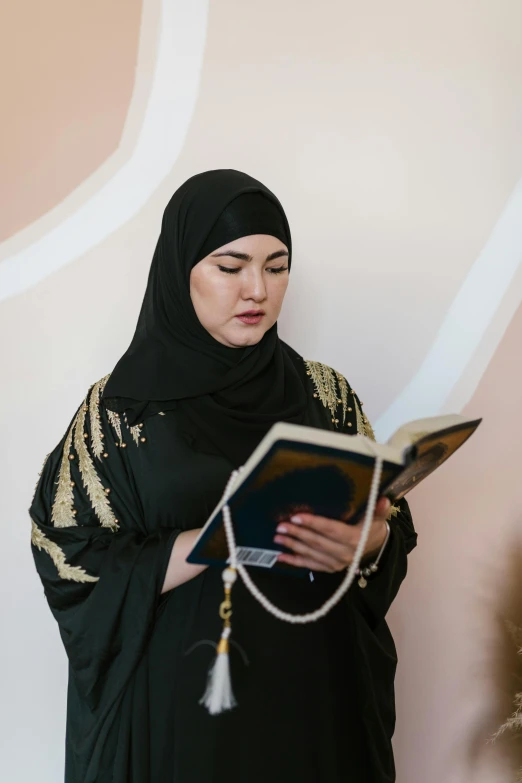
178, 570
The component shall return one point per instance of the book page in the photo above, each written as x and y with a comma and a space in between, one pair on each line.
413, 431
430, 451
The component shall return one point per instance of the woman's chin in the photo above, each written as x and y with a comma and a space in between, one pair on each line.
242, 337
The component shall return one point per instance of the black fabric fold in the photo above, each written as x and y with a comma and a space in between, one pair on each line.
103, 587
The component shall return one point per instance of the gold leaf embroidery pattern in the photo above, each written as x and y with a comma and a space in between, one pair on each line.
115, 421
358, 416
323, 378
394, 510
135, 431
94, 415
343, 389
91, 481
368, 427
65, 570
363, 425
63, 506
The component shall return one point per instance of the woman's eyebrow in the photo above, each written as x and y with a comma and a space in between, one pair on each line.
277, 254
233, 254
246, 257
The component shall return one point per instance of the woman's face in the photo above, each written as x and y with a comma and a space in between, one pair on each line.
237, 291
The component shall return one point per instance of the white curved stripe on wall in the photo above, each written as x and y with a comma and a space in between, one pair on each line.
465, 324
169, 110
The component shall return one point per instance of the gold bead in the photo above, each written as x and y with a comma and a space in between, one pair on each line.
105, 455
71, 456
143, 440
107, 490
116, 444
140, 425
116, 521
85, 435
339, 402
308, 373
316, 395
73, 484
336, 421
74, 512
85, 408
350, 424
349, 410
123, 446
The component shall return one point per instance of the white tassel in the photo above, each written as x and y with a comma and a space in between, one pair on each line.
218, 696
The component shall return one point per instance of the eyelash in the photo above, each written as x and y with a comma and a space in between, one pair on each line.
234, 270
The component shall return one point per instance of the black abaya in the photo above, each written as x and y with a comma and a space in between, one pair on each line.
316, 702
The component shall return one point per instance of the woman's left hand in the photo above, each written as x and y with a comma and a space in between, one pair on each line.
322, 544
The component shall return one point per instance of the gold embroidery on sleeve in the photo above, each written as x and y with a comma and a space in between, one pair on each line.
115, 421
343, 389
394, 510
358, 416
91, 481
65, 571
135, 430
94, 416
363, 425
63, 505
323, 378
368, 427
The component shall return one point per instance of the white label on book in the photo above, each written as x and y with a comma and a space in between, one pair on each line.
250, 555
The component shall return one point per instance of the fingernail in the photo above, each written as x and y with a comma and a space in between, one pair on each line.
281, 529
296, 520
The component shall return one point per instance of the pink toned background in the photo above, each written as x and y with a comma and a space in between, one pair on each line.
391, 132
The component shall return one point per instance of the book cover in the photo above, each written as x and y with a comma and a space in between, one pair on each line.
293, 475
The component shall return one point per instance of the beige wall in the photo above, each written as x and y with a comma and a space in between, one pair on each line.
391, 132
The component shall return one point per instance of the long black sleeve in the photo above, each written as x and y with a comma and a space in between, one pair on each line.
101, 566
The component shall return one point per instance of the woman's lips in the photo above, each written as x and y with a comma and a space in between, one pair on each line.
251, 318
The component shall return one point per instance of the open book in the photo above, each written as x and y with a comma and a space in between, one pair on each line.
297, 468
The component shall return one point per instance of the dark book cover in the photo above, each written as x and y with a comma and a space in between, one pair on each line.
294, 476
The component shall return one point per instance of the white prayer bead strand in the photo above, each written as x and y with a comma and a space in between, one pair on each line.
343, 588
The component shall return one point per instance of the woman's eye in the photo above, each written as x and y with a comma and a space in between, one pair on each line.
230, 270
276, 270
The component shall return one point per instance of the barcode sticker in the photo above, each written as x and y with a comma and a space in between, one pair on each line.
249, 555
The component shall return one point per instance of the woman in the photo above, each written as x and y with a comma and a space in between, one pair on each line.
121, 501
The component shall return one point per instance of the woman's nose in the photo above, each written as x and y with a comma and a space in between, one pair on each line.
254, 286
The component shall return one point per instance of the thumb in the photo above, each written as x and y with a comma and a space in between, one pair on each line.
382, 509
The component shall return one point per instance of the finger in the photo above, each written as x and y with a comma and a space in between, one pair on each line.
329, 528
319, 542
299, 548
381, 513
302, 562
382, 508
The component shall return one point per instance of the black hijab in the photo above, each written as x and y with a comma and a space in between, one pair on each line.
230, 395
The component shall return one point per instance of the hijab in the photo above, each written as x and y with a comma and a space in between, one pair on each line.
230, 396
